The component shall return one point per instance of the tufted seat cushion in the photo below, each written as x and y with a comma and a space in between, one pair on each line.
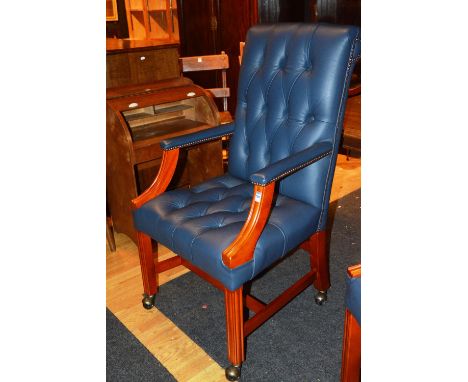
199, 223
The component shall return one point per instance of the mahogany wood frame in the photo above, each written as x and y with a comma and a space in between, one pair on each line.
237, 253
351, 358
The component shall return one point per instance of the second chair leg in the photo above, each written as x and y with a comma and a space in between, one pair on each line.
351, 359
234, 332
110, 235
148, 270
319, 262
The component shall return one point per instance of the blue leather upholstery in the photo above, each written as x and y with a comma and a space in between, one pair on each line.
198, 137
353, 297
199, 223
292, 92
296, 161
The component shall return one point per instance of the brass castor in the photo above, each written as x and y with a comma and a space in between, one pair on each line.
233, 373
148, 301
320, 297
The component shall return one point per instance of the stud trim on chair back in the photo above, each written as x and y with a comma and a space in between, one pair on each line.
292, 88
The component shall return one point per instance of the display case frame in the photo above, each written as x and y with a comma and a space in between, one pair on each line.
152, 20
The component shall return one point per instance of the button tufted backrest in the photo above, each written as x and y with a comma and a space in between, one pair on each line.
292, 92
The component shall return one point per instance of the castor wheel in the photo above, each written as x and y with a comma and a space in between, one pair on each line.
148, 301
320, 297
233, 373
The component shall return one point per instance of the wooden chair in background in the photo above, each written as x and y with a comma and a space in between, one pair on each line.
212, 62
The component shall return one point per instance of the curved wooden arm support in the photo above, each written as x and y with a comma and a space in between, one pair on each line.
242, 248
162, 180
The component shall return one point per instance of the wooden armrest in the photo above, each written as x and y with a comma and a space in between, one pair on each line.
162, 180
242, 248
354, 270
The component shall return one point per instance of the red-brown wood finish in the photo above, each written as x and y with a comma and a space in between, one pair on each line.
110, 235
148, 269
140, 61
278, 303
237, 328
235, 325
354, 270
242, 248
165, 265
254, 304
203, 275
319, 260
351, 358
351, 361
122, 188
166, 171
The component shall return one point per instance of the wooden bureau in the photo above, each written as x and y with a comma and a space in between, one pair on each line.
131, 62
139, 117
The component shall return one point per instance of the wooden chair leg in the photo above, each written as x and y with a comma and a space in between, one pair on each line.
351, 360
319, 260
148, 270
234, 331
110, 235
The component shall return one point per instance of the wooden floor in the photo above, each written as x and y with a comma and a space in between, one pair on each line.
184, 359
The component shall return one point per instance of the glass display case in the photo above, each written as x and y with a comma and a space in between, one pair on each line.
152, 19
111, 10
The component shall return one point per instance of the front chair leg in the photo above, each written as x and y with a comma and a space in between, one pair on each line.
234, 332
351, 358
148, 270
319, 263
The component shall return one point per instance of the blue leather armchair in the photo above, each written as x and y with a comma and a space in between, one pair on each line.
274, 197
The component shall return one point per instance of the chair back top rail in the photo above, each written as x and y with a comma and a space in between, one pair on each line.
200, 63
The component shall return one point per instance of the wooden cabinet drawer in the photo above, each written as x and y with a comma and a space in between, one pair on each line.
140, 62
117, 70
147, 153
155, 65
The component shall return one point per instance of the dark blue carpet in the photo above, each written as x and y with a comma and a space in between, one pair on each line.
303, 341
127, 360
